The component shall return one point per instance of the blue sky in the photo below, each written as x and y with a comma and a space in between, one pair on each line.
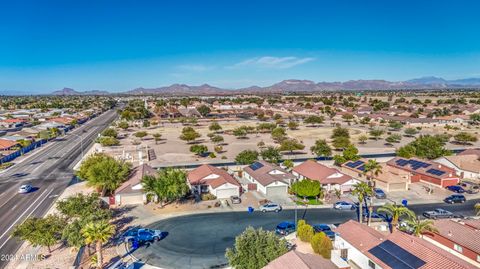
119, 45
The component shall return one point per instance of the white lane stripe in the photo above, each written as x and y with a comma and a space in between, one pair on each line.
15, 222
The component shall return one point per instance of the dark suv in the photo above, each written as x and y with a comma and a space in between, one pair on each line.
455, 198
285, 228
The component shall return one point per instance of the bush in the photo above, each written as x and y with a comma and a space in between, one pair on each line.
208, 197
322, 245
108, 141
305, 232
212, 155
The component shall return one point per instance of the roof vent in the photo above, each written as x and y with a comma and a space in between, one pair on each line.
450, 233
439, 166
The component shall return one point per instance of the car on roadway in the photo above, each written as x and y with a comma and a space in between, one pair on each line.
235, 199
456, 188
379, 193
455, 198
26, 188
374, 218
438, 213
342, 205
325, 228
285, 228
142, 235
270, 207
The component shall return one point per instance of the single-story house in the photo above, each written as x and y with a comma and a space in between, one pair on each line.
426, 171
390, 179
131, 191
269, 179
6, 144
467, 166
329, 178
298, 260
210, 179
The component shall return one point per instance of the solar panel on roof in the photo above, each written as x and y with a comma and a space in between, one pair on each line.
395, 256
435, 172
256, 165
354, 164
361, 168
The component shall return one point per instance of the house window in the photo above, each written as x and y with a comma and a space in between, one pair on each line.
457, 248
371, 264
478, 258
344, 254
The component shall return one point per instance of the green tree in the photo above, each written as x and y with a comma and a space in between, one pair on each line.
247, 157
395, 125
475, 118
314, 120
157, 137
123, 125
279, 134
305, 232
24, 143
107, 141
146, 124
306, 188
371, 170
141, 134
170, 185
418, 227
255, 248
321, 148
322, 245
266, 127
288, 164
217, 139
376, 133
271, 154
240, 132
426, 146
351, 153
189, 134
103, 172
361, 190
407, 151
199, 149
362, 139
204, 110
465, 138
347, 117
292, 125
393, 138
44, 232
215, 127
341, 142
291, 145
395, 212
98, 233
340, 132
339, 159
410, 132
53, 132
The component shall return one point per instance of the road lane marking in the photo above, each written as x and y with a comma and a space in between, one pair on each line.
28, 208
14, 207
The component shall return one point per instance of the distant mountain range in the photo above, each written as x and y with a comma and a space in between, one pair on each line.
293, 85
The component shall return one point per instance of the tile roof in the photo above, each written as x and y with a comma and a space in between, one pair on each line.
264, 177
298, 260
198, 175
316, 171
364, 238
6, 144
462, 234
135, 178
466, 162
470, 152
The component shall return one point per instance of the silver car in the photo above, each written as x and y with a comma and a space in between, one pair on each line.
270, 207
25, 188
342, 205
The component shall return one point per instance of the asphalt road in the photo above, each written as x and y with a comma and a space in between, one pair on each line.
49, 170
199, 241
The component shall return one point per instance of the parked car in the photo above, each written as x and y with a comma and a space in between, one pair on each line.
325, 229
342, 205
142, 235
455, 198
235, 199
379, 193
456, 188
375, 217
285, 228
438, 213
270, 207
26, 188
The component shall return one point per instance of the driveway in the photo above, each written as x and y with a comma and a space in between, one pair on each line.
199, 241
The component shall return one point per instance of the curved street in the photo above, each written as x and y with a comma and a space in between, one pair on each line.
199, 241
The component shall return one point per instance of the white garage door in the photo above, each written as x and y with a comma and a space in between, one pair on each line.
131, 199
277, 191
226, 193
397, 186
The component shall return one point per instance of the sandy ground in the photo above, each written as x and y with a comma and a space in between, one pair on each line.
173, 151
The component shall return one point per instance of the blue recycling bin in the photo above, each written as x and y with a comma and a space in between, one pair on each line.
404, 202
250, 209
135, 244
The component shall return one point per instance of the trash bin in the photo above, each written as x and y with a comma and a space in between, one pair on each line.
250, 209
404, 202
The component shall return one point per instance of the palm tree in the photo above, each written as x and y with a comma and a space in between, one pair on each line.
99, 233
396, 211
419, 227
372, 169
477, 209
361, 190
149, 185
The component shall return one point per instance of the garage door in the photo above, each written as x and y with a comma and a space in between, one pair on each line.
226, 193
131, 199
279, 191
397, 186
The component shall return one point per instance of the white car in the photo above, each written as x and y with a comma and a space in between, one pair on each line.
270, 207
25, 188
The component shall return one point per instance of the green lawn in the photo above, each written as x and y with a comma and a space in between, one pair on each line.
310, 201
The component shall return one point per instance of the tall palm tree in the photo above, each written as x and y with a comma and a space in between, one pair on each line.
372, 169
395, 212
361, 190
149, 186
419, 227
99, 233
477, 209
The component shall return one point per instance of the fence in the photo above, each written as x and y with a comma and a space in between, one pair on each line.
22, 151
